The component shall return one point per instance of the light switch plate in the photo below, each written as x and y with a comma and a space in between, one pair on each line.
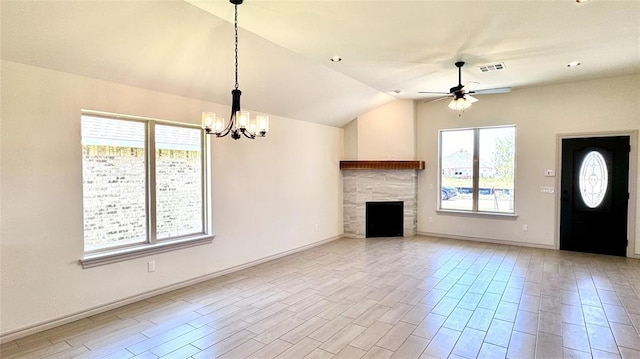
549, 173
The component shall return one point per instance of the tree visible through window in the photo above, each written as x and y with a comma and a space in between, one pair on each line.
119, 174
478, 169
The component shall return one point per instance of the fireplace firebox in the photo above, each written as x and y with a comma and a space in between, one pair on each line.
384, 219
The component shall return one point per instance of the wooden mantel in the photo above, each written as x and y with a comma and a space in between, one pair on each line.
381, 165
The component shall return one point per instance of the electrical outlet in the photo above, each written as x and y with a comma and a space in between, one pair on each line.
430, 219
151, 266
315, 228
525, 228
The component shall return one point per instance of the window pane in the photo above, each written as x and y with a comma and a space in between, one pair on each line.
113, 175
456, 179
178, 181
497, 169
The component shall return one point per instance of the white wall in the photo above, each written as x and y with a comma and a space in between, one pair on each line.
541, 114
351, 140
268, 195
386, 133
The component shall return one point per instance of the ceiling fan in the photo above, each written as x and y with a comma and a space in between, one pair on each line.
462, 98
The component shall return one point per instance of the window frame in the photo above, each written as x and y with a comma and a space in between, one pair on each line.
475, 212
152, 245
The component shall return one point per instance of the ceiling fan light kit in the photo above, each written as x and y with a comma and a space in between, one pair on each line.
459, 104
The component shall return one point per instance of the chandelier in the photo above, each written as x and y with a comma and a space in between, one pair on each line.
240, 122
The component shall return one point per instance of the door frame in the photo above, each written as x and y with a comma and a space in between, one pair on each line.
633, 187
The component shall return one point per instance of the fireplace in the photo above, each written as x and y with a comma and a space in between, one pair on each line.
379, 185
384, 219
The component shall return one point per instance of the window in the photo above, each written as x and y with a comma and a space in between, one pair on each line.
593, 179
477, 169
143, 184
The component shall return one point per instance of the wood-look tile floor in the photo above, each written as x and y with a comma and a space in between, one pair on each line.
414, 297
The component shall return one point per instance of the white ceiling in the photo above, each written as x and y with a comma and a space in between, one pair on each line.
186, 48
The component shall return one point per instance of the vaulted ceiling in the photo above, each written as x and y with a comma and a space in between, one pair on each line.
390, 49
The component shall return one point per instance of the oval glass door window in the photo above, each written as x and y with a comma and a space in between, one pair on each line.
593, 179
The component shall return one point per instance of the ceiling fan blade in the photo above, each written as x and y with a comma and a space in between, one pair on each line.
435, 93
471, 98
470, 86
437, 99
491, 91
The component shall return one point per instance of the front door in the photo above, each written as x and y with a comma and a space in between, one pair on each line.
594, 195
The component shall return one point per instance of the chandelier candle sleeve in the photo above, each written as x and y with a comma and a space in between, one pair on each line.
207, 119
218, 125
263, 124
243, 118
252, 127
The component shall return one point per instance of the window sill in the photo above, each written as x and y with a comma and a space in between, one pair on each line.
123, 254
492, 215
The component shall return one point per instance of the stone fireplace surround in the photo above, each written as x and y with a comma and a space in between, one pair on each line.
377, 185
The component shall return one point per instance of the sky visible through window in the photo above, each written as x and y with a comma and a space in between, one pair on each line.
456, 140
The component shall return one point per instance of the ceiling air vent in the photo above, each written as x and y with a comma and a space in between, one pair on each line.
492, 67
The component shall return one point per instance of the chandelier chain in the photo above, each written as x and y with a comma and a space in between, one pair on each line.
236, 42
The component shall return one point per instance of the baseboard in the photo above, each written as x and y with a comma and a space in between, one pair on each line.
16, 334
486, 240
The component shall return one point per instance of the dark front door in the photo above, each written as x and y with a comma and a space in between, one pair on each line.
594, 195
